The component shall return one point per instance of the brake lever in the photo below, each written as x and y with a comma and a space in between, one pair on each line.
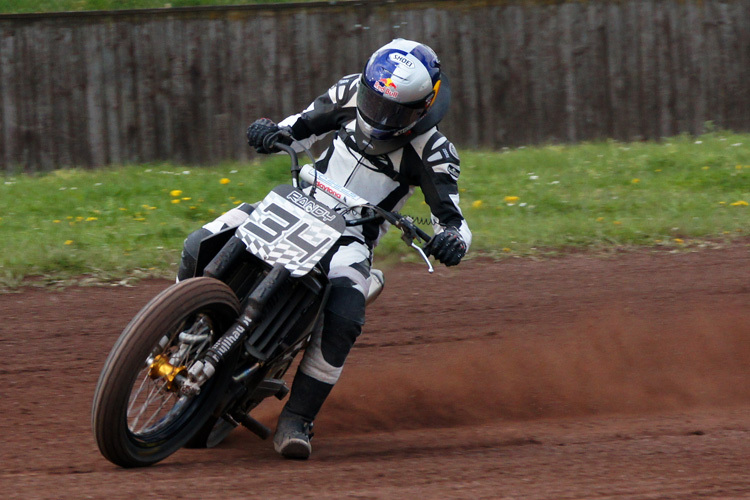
421, 253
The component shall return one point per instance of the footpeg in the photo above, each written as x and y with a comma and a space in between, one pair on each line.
252, 425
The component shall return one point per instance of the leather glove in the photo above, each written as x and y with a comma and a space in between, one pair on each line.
448, 247
262, 134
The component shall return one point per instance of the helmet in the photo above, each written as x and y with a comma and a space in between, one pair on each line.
397, 89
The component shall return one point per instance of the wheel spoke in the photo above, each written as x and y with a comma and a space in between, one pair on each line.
150, 398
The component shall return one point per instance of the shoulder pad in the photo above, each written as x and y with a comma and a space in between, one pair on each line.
440, 154
346, 88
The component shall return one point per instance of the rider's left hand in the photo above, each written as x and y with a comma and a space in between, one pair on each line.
448, 247
263, 132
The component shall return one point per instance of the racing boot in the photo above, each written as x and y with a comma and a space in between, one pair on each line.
293, 434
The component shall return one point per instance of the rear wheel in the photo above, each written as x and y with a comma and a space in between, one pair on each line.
139, 417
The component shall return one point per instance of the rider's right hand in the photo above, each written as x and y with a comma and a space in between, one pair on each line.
262, 134
448, 247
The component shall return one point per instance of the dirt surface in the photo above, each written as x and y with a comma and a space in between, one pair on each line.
617, 376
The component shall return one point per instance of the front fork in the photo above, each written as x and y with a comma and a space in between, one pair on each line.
189, 382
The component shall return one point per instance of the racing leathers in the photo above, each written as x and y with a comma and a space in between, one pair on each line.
428, 161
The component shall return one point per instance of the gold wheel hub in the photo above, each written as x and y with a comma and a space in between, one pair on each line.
161, 368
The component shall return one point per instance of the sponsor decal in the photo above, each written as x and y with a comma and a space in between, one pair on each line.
310, 206
454, 171
387, 87
401, 59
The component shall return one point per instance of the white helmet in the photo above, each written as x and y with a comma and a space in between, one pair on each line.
400, 84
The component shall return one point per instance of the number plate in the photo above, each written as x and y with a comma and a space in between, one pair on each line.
290, 228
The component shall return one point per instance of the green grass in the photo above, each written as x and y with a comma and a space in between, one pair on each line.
120, 222
26, 6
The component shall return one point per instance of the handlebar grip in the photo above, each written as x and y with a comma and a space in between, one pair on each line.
424, 236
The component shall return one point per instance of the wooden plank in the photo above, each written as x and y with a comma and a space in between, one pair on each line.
42, 43
4, 33
128, 94
239, 119
732, 84
742, 20
175, 89
194, 117
9, 108
61, 87
682, 70
161, 91
617, 62
110, 94
696, 72
648, 103
26, 66
664, 70
144, 80
96, 118
714, 63
485, 53
467, 92
566, 56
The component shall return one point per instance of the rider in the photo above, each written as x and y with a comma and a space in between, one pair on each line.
386, 143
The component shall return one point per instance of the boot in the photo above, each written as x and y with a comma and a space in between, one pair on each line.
293, 434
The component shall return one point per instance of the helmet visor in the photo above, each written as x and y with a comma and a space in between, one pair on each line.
384, 114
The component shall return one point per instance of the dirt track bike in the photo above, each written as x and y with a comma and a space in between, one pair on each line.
202, 354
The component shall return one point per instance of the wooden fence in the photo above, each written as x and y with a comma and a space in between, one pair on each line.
90, 89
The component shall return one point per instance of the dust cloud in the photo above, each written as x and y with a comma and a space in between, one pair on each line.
612, 364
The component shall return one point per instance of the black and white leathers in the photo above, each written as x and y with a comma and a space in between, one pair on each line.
428, 161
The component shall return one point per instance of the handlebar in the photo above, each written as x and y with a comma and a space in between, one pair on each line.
409, 230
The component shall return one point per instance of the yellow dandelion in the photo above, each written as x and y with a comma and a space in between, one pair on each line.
635, 181
224, 180
79, 218
68, 242
186, 198
89, 219
511, 199
679, 241
175, 193
617, 223
176, 200
56, 221
705, 168
506, 250
740, 203
477, 204
738, 167
599, 219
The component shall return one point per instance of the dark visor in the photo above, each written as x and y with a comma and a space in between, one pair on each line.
381, 112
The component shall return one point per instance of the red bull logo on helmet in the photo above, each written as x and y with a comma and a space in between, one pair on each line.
387, 87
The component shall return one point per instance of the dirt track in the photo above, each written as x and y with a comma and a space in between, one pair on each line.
621, 376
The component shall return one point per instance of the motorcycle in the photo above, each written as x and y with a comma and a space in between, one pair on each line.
201, 355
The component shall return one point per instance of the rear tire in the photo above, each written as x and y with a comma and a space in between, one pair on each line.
136, 419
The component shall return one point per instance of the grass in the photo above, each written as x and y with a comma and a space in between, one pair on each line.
131, 221
27, 6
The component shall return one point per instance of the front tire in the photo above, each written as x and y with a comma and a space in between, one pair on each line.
138, 417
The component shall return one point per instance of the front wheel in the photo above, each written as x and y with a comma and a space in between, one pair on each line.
138, 416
